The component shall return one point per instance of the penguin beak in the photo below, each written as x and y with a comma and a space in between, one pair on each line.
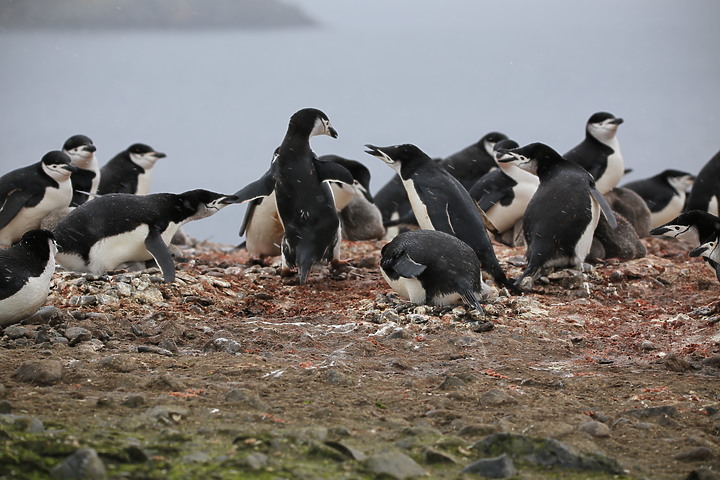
616, 121
504, 156
332, 132
379, 153
229, 200
90, 148
70, 168
705, 247
159, 155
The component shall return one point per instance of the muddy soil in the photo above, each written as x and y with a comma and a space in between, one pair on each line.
231, 372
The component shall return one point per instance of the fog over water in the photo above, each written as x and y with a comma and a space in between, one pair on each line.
437, 74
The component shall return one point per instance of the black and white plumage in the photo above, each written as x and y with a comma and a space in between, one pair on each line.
129, 171
561, 218
116, 228
599, 153
26, 269
29, 194
504, 193
393, 203
664, 193
86, 180
440, 202
705, 193
474, 161
432, 267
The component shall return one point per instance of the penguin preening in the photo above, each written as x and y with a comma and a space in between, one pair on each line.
433, 267
26, 270
29, 194
440, 202
561, 218
599, 153
86, 180
113, 229
129, 171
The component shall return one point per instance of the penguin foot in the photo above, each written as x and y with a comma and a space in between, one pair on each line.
339, 268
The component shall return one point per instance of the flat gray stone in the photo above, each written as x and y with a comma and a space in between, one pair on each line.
595, 429
495, 467
395, 465
84, 464
40, 372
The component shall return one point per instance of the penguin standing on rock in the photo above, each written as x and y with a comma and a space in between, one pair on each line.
705, 194
440, 202
87, 179
599, 153
560, 220
432, 267
664, 193
26, 269
129, 171
29, 194
100, 235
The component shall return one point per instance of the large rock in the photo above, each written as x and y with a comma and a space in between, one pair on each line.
40, 372
394, 464
84, 464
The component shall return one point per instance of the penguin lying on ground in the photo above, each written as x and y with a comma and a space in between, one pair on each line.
440, 202
87, 178
560, 220
599, 153
432, 267
29, 194
706, 189
471, 163
504, 193
26, 269
664, 193
129, 171
100, 235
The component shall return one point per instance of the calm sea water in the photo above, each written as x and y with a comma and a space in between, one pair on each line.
218, 102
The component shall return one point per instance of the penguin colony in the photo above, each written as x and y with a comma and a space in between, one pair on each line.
449, 211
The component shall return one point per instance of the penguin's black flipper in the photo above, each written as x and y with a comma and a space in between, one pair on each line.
14, 202
157, 248
248, 215
407, 267
333, 172
604, 206
491, 196
470, 299
261, 187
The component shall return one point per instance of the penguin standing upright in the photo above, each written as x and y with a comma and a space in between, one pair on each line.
26, 269
705, 193
129, 171
664, 193
87, 178
116, 228
471, 163
560, 220
599, 153
29, 194
440, 202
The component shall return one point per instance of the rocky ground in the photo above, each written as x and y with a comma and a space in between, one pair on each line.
231, 373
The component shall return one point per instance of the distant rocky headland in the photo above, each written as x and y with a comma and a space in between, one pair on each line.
151, 14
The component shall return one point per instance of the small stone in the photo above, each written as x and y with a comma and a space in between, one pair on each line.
167, 414
5, 407
394, 465
133, 401
119, 363
436, 457
40, 372
84, 464
647, 346
149, 296
697, 454
496, 396
713, 361
390, 316
226, 345
399, 333
451, 382
476, 430
347, 450
77, 334
16, 331
675, 363
83, 300
336, 377
255, 461
49, 315
595, 428
124, 289
170, 345
247, 397
196, 457
703, 473
496, 467
154, 349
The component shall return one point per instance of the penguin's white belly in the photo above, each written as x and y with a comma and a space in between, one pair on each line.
28, 299
409, 288
614, 171
582, 249
29, 218
671, 210
504, 217
342, 194
713, 206
264, 231
143, 186
419, 208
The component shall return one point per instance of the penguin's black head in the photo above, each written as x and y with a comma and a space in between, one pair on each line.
57, 165
529, 156
603, 126
705, 249
143, 155
488, 141
39, 242
698, 222
313, 122
503, 145
78, 144
398, 155
205, 203
679, 180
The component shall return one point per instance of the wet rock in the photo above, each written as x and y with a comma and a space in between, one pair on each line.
247, 397
40, 372
495, 396
697, 454
675, 363
222, 344
120, 363
84, 464
394, 465
76, 335
496, 467
595, 429
546, 452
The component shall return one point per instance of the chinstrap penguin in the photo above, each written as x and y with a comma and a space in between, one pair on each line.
599, 153
471, 163
129, 171
87, 178
706, 189
26, 269
112, 229
440, 202
664, 193
432, 267
560, 220
29, 194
